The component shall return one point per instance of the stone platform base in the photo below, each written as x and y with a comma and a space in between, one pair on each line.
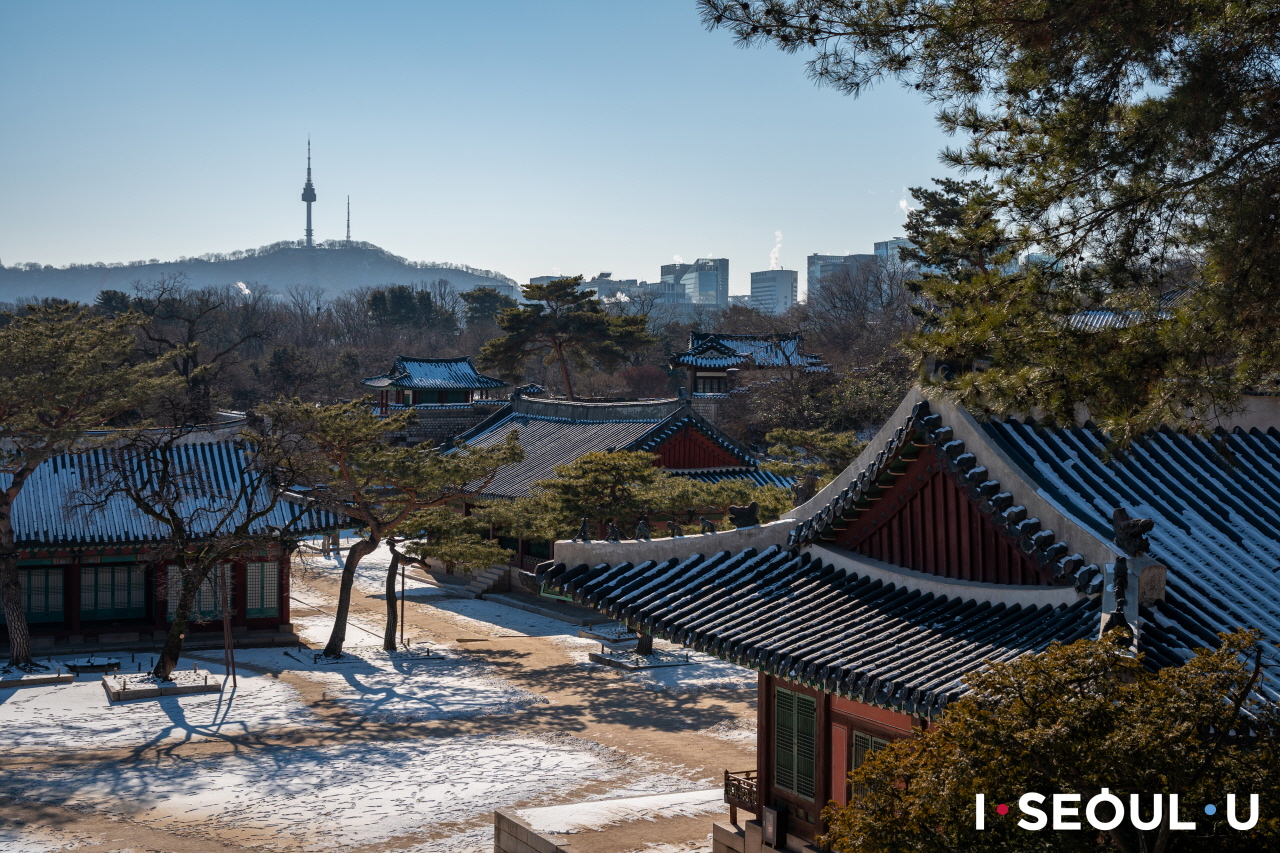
119, 689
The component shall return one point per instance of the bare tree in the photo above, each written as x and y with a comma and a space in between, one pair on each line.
206, 504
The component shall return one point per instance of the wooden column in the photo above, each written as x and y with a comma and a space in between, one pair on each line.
286, 563
71, 595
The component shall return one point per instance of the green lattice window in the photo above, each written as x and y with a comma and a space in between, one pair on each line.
208, 603
263, 590
42, 599
113, 591
794, 740
863, 745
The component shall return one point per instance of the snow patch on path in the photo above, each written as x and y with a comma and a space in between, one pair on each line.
576, 817
322, 798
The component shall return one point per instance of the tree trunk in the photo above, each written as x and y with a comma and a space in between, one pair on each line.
564, 373
389, 636
11, 592
645, 646
357, 552
172, 651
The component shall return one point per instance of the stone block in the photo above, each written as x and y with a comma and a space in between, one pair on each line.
42, 642
753, 837
285, 628
727, 838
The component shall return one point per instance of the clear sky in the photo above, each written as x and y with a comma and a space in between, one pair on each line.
527, 136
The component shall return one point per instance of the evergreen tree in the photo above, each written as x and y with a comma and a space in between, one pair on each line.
484, 304
1077, 719
1134, 143
64, 370
564, 325
381, 488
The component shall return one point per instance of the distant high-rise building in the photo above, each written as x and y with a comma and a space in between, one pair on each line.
820, 267
308, 193
888, 250
706, 282
774, 291
674, 272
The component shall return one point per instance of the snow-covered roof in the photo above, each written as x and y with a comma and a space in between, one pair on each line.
556, 432
213, 480
723, 351
443, 374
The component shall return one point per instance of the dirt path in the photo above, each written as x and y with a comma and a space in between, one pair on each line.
666, 731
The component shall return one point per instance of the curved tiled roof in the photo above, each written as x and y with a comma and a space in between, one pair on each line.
964, 465
441, 374
212, 476
556, 432
723, 351
1216, 508
792, 616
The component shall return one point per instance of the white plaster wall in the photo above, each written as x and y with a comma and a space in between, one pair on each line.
996, 593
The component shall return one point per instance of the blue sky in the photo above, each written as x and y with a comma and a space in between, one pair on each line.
527, 137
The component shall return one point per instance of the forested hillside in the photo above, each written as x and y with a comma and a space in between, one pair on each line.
334, 266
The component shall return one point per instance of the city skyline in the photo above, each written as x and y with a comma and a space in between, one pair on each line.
610, 139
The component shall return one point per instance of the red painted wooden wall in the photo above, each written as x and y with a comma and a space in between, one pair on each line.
926, 521
689, 448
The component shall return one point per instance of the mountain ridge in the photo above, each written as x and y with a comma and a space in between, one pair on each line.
335, 266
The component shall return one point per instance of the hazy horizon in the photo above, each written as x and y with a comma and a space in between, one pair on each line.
559, 138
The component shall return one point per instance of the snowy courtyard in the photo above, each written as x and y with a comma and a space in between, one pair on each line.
411, 750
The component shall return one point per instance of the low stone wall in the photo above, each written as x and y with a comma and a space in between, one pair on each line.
437, 425
512, 835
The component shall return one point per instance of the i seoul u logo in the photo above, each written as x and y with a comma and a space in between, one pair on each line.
1106, 811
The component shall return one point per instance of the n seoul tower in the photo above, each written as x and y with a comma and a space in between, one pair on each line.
308, 193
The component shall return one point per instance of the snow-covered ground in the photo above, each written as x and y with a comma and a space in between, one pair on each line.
421, 684
80, 716
324, 798
597, 814
703, 672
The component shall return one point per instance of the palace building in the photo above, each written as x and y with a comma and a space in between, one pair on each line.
448, 395
97, 574
949, 543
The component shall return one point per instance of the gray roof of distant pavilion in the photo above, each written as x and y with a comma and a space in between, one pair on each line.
442, 374
556, 432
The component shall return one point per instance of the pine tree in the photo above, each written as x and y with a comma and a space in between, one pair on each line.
564, 325
382, 489
1133, 143
64, 370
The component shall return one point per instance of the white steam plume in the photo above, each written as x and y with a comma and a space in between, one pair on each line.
244, 288
777, 249
677, 259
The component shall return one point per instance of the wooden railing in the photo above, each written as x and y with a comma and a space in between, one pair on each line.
741, 791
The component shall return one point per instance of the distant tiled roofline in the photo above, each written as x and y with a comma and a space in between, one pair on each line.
715, 350
434, 374
556, 432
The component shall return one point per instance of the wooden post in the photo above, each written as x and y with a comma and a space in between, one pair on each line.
228, 646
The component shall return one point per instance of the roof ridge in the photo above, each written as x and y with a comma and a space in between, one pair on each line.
922, 428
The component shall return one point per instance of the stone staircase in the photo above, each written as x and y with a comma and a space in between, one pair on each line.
492, 579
